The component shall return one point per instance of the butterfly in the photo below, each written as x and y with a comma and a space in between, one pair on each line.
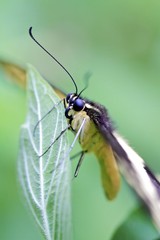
93, 127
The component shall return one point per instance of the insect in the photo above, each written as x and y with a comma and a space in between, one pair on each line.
93, 127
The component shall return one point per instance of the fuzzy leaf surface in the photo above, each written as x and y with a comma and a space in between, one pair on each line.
45, 180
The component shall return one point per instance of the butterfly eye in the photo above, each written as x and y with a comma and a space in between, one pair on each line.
68, 97
78, 104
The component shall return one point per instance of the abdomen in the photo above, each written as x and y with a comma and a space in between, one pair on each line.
92, 141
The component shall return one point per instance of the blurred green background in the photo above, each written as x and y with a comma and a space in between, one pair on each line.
119, 42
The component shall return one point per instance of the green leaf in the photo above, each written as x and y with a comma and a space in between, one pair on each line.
45, 180
138, 226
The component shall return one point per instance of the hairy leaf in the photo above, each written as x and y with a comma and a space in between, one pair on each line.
45, 180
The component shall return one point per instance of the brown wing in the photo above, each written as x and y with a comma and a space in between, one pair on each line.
18, 74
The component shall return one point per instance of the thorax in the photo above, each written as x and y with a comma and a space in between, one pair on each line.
90, 138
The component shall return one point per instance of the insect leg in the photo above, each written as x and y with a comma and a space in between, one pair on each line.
77, 135
72, 145
34, 130
79, 163
63, 131
76, 155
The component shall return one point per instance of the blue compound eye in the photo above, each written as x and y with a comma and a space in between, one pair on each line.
78, 104
68, 97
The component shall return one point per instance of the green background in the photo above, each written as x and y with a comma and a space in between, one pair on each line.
119, 43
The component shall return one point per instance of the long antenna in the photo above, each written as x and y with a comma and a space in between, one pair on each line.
86, 78
31, 35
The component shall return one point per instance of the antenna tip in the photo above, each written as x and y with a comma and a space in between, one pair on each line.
30, 31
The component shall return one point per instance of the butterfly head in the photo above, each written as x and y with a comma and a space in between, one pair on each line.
73, 103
